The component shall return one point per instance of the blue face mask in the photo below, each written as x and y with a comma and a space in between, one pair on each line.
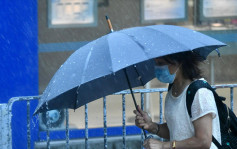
162, 73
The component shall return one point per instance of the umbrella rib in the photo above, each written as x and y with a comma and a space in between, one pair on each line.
83, 74
138, 43
112, 68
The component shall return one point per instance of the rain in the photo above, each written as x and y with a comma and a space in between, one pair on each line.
64, 63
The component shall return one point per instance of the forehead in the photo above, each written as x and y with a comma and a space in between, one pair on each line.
160, 61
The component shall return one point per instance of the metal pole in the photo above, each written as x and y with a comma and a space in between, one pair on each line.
231, 98
142, 107
86, 127
212, 71
161, 107
48, 125
28, 125
124, 121
161, 110
148, 85
105, 124
67, 130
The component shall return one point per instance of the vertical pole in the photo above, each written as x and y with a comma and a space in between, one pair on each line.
124, 121
161, 110
161, 107
86, 126
142, 132
212, 71
231, 98
48, 125
148, 85
28, 125
67, 130
105, 124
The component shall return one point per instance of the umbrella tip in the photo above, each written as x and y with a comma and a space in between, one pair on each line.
218, 52
109, 23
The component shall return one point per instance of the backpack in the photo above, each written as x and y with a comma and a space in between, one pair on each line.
227, 118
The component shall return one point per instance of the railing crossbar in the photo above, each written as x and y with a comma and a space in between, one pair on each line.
122, 93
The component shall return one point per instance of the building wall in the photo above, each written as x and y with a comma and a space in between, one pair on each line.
123, 14
19, 63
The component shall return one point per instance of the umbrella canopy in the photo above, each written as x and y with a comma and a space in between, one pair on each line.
100, 67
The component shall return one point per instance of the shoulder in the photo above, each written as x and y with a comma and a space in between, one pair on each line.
204, 103
204, 92
204, 96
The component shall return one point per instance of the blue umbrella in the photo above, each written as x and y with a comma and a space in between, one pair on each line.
118, 61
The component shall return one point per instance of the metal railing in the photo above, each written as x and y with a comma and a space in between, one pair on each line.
122, 93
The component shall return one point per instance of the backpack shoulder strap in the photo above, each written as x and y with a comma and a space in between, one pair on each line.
191, 91
169, 87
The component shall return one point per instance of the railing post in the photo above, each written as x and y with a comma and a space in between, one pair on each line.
5, 134
124, 121
161, 110
28, 125
67, 130
142, 107
48, 125
86, 127
231, 98
105, 124
161, 107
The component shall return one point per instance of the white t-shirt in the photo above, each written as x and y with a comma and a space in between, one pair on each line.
178, 120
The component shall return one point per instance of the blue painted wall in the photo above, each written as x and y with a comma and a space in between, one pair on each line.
19, 61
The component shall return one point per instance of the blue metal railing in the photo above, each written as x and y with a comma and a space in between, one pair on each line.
105, 131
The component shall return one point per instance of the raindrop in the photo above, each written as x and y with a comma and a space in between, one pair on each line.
36, 120
47, 105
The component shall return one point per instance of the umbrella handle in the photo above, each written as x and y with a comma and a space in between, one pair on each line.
134, 100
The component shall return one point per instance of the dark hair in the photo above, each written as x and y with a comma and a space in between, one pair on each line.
189, 61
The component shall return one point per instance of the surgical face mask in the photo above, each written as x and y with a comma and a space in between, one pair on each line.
162, 73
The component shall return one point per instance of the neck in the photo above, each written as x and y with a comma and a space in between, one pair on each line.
179, 84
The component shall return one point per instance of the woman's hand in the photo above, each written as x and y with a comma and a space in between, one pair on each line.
142, 119
155, 144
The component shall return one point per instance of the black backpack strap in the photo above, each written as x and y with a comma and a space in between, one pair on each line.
191, 91
218, 145
169, 87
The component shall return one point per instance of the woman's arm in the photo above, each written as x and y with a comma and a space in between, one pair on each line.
203, 134
160, 130
144, 121
202, 138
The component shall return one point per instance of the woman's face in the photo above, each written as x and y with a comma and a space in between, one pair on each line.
172, 67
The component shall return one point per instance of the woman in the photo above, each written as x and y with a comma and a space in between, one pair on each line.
184, 132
